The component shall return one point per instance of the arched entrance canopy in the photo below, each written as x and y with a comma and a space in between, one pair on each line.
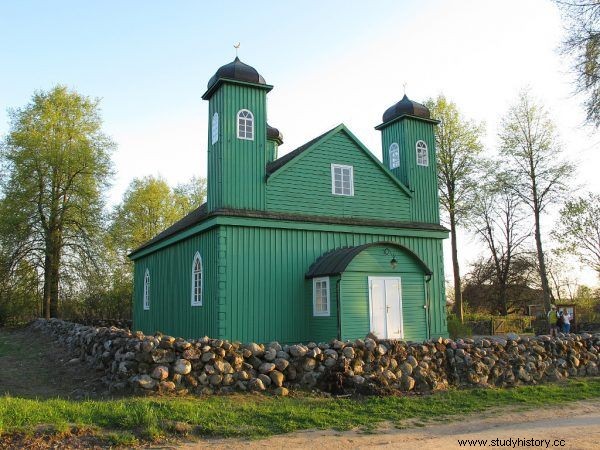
336, 261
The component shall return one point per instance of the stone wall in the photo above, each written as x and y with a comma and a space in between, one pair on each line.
206, 366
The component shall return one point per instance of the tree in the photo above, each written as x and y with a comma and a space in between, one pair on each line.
458, 144
582, 42
149, 206
58, 165
578, 229
498, 218
189, 196
531, 151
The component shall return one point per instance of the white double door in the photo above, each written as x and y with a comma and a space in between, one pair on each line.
385, 302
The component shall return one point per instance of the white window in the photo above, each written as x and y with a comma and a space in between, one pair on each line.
245, 125
147, 289
422, 155
215, 128
342, 180
394, 156
197, 280
321, 296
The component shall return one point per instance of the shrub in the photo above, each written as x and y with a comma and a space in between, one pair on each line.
456, 328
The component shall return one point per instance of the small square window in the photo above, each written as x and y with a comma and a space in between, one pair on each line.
342, 180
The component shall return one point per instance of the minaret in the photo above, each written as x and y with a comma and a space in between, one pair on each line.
408, 146
237, 138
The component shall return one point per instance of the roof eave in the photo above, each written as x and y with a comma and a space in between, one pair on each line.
406, 116
211, 90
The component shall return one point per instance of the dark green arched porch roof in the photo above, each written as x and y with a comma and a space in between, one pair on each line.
336, 261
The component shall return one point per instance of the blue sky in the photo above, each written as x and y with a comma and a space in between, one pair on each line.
330, 62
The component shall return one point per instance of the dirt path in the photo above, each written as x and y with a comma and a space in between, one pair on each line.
578, 424
33, 366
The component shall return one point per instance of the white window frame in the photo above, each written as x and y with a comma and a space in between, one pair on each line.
248, 120
146, 298
215, 128
327, 284
396, 149
342, 167
422, 159
194, 299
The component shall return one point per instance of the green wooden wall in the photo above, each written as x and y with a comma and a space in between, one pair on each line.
306, 188
236, 167
355, 292
170, 289
421, 180
275, 303
323, 328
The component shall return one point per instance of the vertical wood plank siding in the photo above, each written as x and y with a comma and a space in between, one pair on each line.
308, 186
355, 292
421, 180
276, 303
170, 269
236, 167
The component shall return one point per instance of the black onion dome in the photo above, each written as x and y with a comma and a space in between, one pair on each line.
273, 134
237, 70
406, 107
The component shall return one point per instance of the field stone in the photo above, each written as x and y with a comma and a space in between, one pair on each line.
348, 352
182, 366
255, 384
145, 382
298, 351
215, 379
281, 391
206, 357
160, 373
266, 379
281, 364
267, 367
270, 355
277, 378
309, 364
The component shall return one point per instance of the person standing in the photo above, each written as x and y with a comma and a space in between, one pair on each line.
566, 325
553, 320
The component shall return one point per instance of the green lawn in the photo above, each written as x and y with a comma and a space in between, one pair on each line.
250, 416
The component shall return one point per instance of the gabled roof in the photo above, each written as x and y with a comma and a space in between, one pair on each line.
285, 162
336, 261
190, 220
273, 166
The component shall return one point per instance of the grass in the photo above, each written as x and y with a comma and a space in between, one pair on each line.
124, 421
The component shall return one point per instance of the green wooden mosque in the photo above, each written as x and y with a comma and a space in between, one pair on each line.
323, 242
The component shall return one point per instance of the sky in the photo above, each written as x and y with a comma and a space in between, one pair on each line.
330, 62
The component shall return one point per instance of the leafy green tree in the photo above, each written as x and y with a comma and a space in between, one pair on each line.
148, 207
458, 144
582, 42
57, 162
539, 176
578, 229
189, 196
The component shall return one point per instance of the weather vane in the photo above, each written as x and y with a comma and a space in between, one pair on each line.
236, 46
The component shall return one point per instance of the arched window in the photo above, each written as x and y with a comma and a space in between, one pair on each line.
394, 156
245, 125
147, 289
215, 128
422, 155
197, 280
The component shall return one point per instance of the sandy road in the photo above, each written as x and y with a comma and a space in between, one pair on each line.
577, 424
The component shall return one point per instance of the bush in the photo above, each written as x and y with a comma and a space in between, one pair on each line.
456, 328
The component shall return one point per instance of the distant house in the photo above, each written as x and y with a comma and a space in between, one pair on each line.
323, 242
